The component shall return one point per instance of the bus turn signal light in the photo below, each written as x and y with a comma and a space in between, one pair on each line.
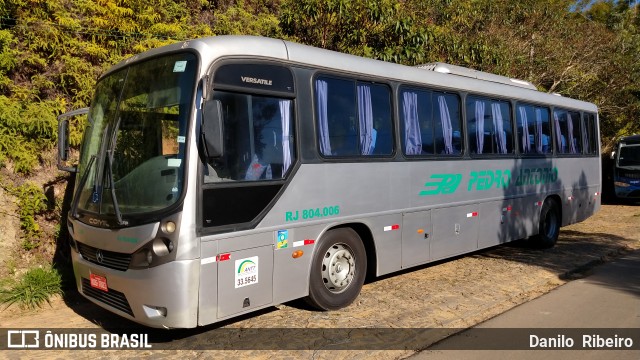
296, 254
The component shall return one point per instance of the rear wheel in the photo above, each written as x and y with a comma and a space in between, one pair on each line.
338, 270
549, 227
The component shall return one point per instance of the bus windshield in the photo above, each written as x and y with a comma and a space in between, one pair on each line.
629, 156
133, 154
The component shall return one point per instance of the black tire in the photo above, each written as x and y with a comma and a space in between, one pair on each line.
549, 227
341, 250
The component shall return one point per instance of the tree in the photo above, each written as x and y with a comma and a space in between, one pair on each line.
376, 29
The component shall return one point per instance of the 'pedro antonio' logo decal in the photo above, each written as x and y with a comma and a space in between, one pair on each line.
246, 271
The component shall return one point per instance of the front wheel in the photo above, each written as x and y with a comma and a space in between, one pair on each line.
549, 227
338, 270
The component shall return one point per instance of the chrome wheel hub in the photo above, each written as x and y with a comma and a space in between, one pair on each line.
338, 268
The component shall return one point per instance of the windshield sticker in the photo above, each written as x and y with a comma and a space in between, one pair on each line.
180, 66
181, 139
174, 162
246, 272
283, 239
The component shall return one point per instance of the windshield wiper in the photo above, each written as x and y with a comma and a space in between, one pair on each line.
83, 180
112, 185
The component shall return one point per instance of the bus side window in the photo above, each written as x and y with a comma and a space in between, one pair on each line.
589, 134
417, 116
258, 139
533, 129
567, 128
382, 134
335, 107
430, 122
353, 118
575, 135
489, 126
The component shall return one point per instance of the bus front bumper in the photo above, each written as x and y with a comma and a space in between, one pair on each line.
160, 297
627, 189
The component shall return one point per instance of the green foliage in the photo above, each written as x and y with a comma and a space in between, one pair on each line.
31, 201
377, 29
33, 289
26, 129
53, 51
242, 19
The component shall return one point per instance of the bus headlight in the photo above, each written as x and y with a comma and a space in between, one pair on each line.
621, 184
169, 227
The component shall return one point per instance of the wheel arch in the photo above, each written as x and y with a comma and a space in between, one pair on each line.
366, 236
319, 295
558, 200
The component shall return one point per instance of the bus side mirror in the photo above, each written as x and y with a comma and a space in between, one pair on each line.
63, 142
212, 129
63, 138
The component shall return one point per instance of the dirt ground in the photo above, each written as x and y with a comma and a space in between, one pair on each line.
456, 293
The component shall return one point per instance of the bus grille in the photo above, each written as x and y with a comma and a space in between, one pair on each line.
112, 297
110, 259
630, 175
634, 194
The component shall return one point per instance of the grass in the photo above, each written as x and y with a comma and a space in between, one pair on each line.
35, 288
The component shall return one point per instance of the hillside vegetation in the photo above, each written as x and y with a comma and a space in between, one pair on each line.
53, 51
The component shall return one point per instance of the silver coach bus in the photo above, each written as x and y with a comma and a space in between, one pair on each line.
227, 174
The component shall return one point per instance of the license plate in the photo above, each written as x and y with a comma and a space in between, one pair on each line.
99, 282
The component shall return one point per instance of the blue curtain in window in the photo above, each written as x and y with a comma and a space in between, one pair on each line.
585, 135
285, 116
323, 120
539, 131
365, 115
572, 144
447, 130
556, 123
479, 126
412, 134
500, 136
526, 143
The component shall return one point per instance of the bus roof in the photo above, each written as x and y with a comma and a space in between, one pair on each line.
241, 46
631, 139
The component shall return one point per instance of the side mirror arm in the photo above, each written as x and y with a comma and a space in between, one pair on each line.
63, 138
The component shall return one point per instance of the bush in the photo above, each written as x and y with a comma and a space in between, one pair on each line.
36, 286
32, 202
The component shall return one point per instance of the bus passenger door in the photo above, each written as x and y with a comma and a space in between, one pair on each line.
416, 234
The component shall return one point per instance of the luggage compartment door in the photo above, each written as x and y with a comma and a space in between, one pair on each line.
245, 280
